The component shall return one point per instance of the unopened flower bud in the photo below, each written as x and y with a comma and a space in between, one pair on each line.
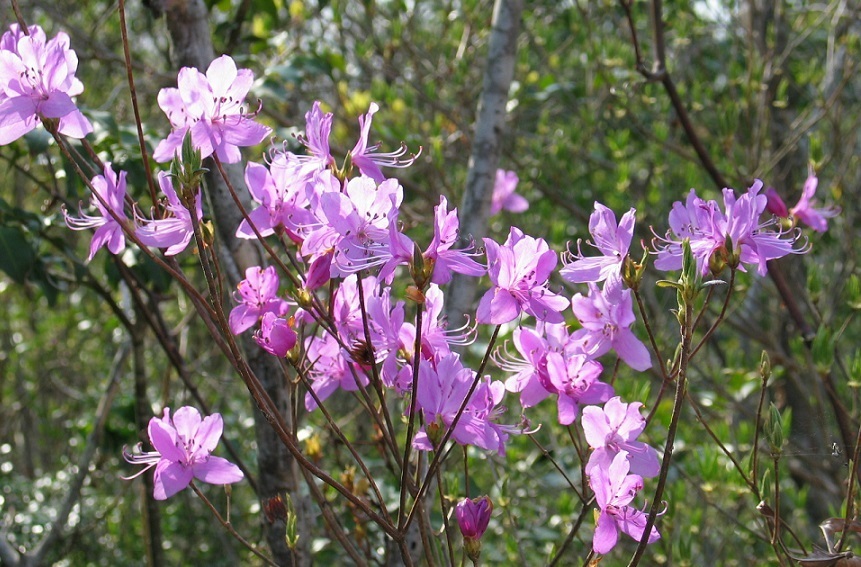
187, 171
632, 272
765, 366
415, 294
303, 298
421, 268
775, 204
318, 272
473, 516
733, 253
717, 262
774, 430
208, 232
275, 509
690, 277
435, 432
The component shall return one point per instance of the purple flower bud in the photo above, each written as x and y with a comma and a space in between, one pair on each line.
473, 515
318, 272
775, 204
275, 335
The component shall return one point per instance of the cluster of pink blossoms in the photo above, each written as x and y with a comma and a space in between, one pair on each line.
344, 225
208, 108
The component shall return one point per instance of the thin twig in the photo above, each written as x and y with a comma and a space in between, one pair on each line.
230, 529
437, 459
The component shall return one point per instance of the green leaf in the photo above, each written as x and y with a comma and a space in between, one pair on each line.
17, 257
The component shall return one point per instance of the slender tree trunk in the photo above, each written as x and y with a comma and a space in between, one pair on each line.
143, 411
474, 210
807, 398
189, 27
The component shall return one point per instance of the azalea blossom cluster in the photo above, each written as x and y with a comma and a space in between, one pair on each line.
732, 237
208, 109
342, 321
346, 229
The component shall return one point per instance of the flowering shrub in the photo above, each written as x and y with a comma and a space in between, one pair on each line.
351, 301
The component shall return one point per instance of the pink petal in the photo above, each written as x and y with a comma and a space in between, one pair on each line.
567, 409
644, 459
591, 269
202, 135
193, 87
171, 103
186, 420
632, 350
633, 523
262, 221
75, 125
169, 478
56, 105
167, 148
606, 534
221, 73
497, 306
209, 432
242, 131
17, 117
164, 439
595, 426
217, 471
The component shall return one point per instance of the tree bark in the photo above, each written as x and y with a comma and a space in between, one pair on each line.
189, 28
474, 210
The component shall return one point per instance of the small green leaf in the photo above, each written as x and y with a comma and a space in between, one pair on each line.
17, 257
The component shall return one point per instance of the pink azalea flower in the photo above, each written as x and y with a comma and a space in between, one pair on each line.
183, 447
615, 428
442, 388
710, 231
109, 233
318, 236
176, 230
210, 107
346, 307
607, 317
318, 125
439, 251
575, 379
614, 489
702, 223
436, 340
530, 377
257, 295
330, 370
275, 335
37, 83
519, 270
385, 322
815, 218
318, 272
361, 217
754, 244
282, 198
610, 239
504, 198
367, 159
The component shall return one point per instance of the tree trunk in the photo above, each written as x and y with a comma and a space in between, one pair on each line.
474, 210
189, 27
